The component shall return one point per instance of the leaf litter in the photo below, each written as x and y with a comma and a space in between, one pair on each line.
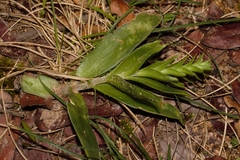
197, 140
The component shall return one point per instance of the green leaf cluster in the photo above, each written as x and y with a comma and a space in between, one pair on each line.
117, 50
119, 63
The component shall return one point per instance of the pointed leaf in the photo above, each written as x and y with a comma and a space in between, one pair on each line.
52, 93
133, 90
64, 150
195, 69
178, 84
138, 56
166, 110
160, 65
126, 98
25, 126
32, 85
186, 71
173, 72
154, 74
158, 86
77, 111
115, 47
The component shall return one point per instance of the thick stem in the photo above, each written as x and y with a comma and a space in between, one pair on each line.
76, 86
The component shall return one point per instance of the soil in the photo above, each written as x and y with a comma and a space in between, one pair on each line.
28, 46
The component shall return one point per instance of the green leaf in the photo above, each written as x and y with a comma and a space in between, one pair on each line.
166, 110
158, 86
32, 85
178, 84
134, 90
135, 2
160, 65
154, 74
138, 56
77, 111
25, 126
114, 151
53, 94
126, 98
128, 138
186, 71
206, 107
64, 150
171, 71
118, 45
169, 153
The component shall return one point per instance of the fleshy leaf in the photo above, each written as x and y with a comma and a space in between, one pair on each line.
32, 85
78, 115
154, 74
117, 46
173, 72
158, 86
138, 56
160, 65
166, 110
133, 90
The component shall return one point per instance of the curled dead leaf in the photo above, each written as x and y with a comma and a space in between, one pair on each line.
232, 103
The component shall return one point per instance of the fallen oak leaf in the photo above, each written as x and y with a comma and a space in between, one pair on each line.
119, 7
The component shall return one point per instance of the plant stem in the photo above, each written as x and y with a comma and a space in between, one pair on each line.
90, 84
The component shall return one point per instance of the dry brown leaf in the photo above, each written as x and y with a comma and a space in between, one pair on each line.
237, 127
119, 7
234, 55
236, 90
194, 50
100, 106
232, 103
215, 158
87, 29
195, 37
7, 147
214, 12
223, 37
